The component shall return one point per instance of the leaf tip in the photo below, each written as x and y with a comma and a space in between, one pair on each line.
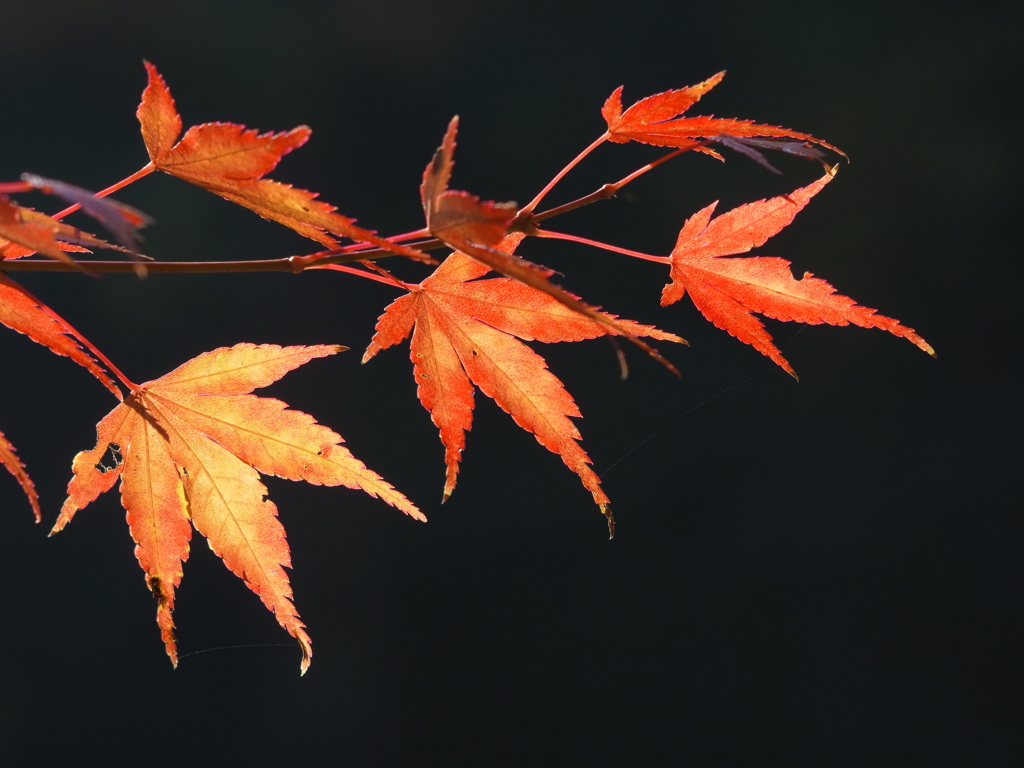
62, 520
606, 510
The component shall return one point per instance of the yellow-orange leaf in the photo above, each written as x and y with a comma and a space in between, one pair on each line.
189, 447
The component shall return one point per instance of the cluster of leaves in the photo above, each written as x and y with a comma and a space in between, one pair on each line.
189, 446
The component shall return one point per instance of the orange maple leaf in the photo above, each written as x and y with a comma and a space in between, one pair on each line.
9, 458
188, 448
652, 120
230, 160
728, 291
466, 331
28, 232
21, 311
24, 231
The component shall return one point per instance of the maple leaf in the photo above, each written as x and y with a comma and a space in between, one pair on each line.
655, 120
728, 291
9, 458
472, 227
457, 216
188, 448
230, 160
467, 331
34, 233
23, 312
25, 231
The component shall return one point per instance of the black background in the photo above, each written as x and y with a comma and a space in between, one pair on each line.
823, 573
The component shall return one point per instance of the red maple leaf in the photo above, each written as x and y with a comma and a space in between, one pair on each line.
466, 331
188, 448
728, 291
655, 120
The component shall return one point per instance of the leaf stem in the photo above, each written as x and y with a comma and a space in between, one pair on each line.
360, 251
145, 171
561, 174
291, 264
164, 267
422, 232
11, 187
103, 359
77, 335
524, 221
604, 246
387, 278
606, 191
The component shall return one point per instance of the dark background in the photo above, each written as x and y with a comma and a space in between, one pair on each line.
815, 574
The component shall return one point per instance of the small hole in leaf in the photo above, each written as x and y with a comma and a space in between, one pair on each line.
111, 458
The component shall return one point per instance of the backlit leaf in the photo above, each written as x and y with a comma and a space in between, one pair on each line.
230, 160
656, 120
728, 291
190, 447
466, 333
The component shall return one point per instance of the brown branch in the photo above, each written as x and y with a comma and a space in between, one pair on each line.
102, 267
